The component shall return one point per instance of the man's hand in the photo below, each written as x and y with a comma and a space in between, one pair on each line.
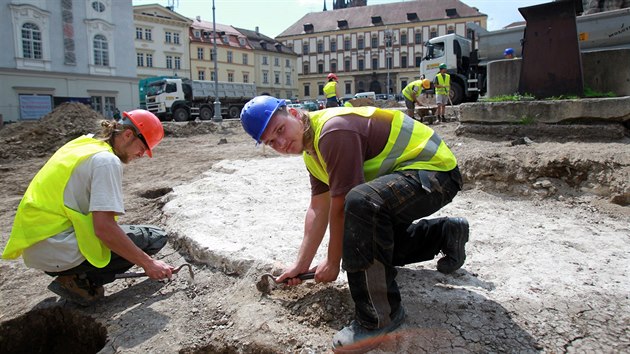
291, 275
158, 270
326, 272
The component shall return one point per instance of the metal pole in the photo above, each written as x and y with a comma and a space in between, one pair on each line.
388, 42
217, 104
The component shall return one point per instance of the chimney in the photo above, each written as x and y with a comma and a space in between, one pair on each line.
257, 30
198, 18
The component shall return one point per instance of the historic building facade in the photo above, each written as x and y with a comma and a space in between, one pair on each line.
366, 45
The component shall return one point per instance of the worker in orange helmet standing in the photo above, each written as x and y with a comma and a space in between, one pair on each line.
66, 223
331, 91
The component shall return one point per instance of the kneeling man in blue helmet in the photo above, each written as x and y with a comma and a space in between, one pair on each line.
375, 174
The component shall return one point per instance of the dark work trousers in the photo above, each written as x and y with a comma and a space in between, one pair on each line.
379, 235
148, 238
332, 102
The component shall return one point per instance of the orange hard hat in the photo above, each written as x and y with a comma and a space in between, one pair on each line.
148, 127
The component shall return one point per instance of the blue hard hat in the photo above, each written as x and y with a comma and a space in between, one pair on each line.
508, 51
257, 113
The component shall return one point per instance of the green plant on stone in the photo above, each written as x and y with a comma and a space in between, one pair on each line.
527, 120
507, 98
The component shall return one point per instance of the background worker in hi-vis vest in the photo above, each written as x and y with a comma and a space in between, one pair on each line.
442, 85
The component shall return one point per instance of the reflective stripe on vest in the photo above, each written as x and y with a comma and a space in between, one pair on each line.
408, 91
330, 89
42, 213
443, 81
411, 145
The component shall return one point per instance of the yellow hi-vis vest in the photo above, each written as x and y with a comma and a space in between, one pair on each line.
408, 91
411, 145
330, 89
42, 213
443, 81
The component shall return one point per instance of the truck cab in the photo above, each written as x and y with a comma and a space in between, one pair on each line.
162, 95
454, 51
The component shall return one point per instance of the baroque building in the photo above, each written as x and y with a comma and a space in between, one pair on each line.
366, 45
61, 51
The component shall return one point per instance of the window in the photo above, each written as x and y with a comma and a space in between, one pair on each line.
264, 59
150, 60
348, 88
97, 103
167, 37
306, 69
361, 43
176, 38
200, 53
333, 67
140, 59
320, 47
288, 79
31, 41
305, 48
147, 34
403, 61
287, 63
320, 68
276, 78
333, 46
265, 77
245, 77
389, 62
374, 63
320, 89
109, 107
361, 64
346, 44
201, 75
229, 56
346, 65
101, 51
307, 90
374, 42
434, 32
450, 30
169, 62
403, 38
138, 33
276, 61
212, 52
230, 77
178, 63
98, 6
212, 76
418, 60
245, 59
403, 83
418, 38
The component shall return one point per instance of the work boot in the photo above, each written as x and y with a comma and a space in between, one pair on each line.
358, 339
79, 291
455, 231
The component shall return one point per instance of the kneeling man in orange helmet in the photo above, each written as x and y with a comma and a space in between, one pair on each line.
66, 223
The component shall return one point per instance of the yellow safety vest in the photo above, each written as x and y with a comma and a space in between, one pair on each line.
42, 213
409, 89
443, 80
411, 145
330, 89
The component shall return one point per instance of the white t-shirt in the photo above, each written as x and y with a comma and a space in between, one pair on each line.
95, 185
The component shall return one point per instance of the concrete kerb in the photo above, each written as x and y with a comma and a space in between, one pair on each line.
613, 110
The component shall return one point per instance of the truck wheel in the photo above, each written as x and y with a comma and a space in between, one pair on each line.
180, 114
205, 113
234, 112
456, 93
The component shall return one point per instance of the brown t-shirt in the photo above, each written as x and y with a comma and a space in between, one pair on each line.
345, 143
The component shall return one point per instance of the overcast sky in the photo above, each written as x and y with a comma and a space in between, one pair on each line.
274, 16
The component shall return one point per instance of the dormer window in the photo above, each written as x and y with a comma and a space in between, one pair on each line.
451, 13
412, 16
309, 28
377, 20
342, 24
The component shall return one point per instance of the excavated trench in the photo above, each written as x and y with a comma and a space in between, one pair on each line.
52, 330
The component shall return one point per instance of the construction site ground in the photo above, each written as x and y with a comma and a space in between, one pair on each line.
547, 268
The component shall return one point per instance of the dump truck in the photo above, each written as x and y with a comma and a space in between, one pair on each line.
143, 86
467, 64
184, 99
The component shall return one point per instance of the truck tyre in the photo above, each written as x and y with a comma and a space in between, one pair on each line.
205, 113
180, 114
456, 93
234, 112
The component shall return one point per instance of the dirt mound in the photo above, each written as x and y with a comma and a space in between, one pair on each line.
38, 139
361, 102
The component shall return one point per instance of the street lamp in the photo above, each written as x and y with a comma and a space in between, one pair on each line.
217, 103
